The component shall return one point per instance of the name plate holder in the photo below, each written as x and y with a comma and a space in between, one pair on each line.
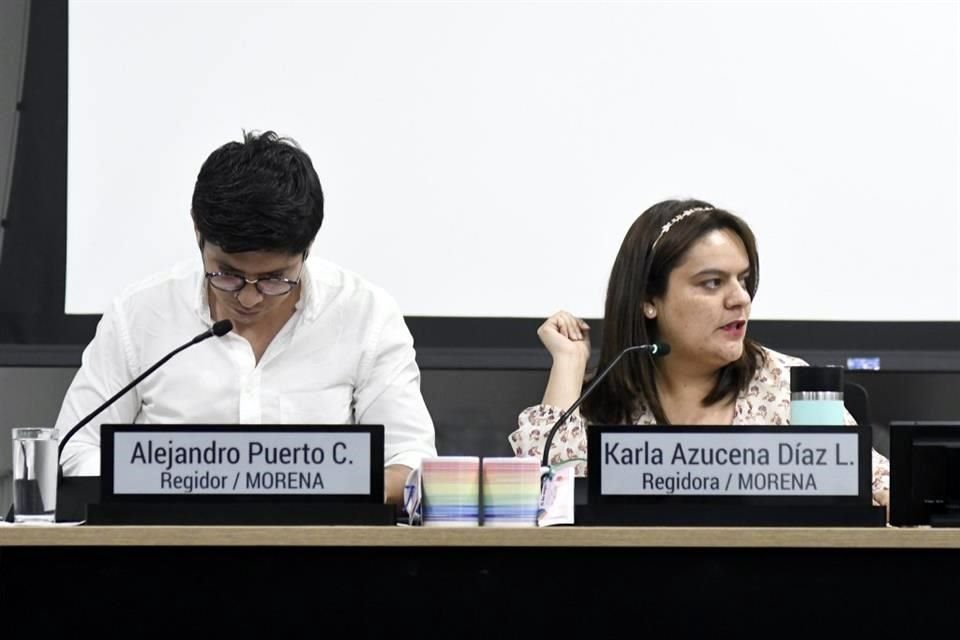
241, 475
730, 476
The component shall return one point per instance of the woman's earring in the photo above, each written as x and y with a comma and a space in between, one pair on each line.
649, 311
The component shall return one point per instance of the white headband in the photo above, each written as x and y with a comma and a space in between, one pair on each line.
675, 220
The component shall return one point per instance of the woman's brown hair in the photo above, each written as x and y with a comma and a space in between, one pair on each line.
654, 246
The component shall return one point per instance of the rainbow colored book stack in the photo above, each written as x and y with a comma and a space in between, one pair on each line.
451, 491
511, 492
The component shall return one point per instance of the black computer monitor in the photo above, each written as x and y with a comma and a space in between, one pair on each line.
925, 473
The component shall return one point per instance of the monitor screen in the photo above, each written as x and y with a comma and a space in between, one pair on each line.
925, 473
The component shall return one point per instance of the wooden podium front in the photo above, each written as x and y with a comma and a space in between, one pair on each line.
481, 582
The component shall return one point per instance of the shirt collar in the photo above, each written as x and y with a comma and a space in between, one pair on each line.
309, 303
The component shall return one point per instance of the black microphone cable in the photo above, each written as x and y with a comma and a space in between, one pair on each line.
219, 328
656, 350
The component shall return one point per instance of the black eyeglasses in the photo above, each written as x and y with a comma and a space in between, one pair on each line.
272, 286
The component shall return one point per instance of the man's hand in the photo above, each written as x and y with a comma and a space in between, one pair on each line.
394, 477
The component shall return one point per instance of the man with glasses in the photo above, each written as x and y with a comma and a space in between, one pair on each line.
311, 344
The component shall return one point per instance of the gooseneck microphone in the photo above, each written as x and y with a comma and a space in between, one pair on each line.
220, 328
656, 350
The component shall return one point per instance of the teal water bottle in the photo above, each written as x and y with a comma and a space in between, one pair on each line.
816, 395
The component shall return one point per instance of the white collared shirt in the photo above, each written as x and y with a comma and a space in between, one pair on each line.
344, 357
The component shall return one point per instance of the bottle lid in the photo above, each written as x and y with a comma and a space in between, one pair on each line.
827, 378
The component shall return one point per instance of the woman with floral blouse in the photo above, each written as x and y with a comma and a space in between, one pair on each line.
686, 275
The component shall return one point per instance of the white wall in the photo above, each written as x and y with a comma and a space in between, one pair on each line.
485, 159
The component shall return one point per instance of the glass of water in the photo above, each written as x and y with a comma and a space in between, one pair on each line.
35, 462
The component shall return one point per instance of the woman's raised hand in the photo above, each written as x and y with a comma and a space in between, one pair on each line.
564, 335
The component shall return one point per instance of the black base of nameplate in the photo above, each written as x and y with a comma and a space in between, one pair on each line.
241, 513
691, 515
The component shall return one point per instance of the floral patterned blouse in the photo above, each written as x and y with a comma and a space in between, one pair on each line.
765, 401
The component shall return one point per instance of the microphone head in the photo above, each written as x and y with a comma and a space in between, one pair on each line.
221, 328
659, 349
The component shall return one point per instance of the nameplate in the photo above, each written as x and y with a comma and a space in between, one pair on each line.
265, 461
729, 476
729, 464
708, 462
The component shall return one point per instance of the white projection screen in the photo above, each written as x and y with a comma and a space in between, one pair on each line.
484, 159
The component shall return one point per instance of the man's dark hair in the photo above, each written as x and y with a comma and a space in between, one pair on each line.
261, 194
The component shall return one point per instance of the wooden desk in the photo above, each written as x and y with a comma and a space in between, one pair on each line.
562, 537
371, 581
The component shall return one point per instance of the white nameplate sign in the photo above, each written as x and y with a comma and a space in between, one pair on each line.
241, 463
731, 464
